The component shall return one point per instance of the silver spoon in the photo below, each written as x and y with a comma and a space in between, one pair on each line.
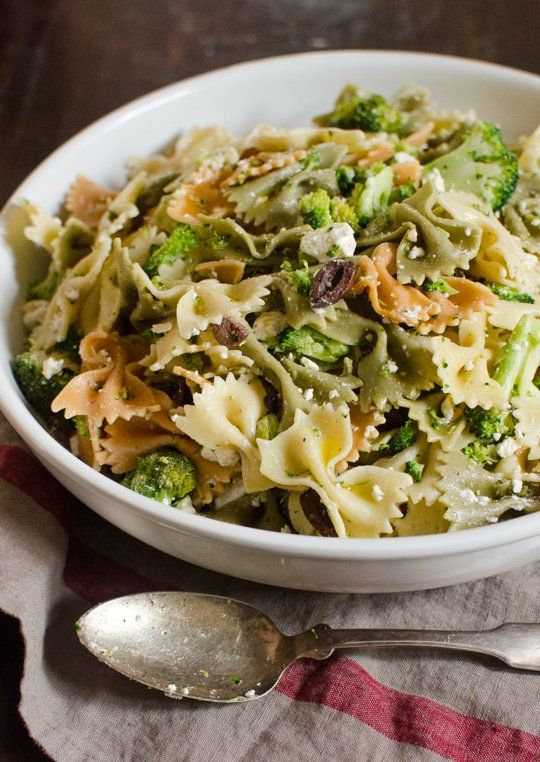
217, 649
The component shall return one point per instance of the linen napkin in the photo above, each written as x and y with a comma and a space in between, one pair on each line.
57, 558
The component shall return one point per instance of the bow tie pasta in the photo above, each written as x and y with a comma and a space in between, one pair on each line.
223, 420
306, 456
329, 330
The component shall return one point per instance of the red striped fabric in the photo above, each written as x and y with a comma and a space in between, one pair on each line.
343, 685
339, 683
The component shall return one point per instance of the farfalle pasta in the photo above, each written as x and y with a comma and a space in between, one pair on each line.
223, 420
330, 330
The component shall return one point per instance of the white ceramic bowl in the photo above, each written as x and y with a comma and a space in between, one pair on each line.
285, 91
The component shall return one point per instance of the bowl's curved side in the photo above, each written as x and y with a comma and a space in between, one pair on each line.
287, 91
335, 574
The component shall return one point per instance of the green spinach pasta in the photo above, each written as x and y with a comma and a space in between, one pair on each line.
331, 330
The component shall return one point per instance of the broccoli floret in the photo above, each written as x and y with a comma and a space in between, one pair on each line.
192, 360
482, 165
438, 285
346, 180
165, 475
149, 334
518, 361
479, 452
312, 160
213, 239
510, 294
40, 391
373, 197
436, 420
319, 210
267, 427
81, 425
488, 425
401, 439
371, 113
300, 280
307, 342
341, 211
69, 349
180, 242
401, 192
315, 208
403, 147
362, 173
414, 469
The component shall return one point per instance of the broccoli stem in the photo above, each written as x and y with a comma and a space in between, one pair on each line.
519, 358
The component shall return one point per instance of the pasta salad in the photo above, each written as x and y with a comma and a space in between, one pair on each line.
330, 330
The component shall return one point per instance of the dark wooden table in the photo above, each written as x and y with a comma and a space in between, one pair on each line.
63, 63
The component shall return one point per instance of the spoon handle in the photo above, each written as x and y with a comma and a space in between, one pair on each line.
518, 645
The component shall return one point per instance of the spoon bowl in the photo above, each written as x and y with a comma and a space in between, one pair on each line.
185, 644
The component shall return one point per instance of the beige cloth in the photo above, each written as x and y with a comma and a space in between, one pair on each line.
57, 558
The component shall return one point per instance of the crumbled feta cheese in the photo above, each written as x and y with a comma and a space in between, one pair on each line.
332, 394
370, 432
347, 366
162, 327
51, 367
172, 688
507, 447
186, 505
250, 694
497, 436
411, 314
307, 363
376, 493
412, 235
447, 408
468, 494
492, 519
72, 293
416, 252
225, 456
517, 485
185, 691
437, 180
402, 157
318, 243
483, 500
269, 324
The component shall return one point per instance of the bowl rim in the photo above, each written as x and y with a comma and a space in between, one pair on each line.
59, 458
